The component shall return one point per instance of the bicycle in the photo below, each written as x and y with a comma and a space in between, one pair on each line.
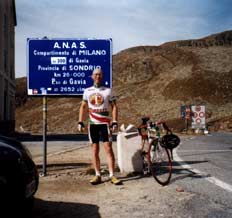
157, 161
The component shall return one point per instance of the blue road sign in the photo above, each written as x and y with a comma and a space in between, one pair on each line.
64, 66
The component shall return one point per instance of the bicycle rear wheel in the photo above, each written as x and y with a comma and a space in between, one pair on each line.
161, 165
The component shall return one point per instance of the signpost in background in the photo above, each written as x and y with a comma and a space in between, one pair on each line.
63, 67
194, 115
198, 119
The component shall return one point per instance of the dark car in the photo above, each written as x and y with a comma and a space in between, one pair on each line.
18, 176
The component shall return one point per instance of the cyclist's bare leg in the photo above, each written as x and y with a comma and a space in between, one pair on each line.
110, 156
142, 144
144, 141
153, 141
95, 157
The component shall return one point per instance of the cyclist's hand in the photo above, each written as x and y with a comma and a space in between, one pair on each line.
114, 125
80, 126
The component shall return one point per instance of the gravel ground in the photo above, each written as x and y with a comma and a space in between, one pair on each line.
66, 193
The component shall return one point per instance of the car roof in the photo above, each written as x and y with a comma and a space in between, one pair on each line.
4, 145
11, 141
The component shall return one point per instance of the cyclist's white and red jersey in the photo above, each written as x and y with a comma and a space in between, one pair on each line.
99, 100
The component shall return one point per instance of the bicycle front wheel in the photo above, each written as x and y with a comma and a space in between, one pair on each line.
161, 165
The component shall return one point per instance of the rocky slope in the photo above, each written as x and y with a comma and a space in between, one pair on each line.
151, 80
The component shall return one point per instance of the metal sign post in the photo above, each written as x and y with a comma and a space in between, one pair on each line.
44, 136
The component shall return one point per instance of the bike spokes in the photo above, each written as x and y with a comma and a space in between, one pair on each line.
161, 165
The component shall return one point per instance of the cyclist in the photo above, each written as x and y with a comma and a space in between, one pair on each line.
143, 131
97, 99
188, 117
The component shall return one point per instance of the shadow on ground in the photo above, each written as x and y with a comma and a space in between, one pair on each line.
179, 173
53, 209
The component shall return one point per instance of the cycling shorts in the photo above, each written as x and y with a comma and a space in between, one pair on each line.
99, 131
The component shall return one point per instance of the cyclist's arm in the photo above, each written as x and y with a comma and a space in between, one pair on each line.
139, 130
83, 111
114, 111
166, 128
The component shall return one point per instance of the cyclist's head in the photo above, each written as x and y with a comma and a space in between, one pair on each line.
97, 76
145, 119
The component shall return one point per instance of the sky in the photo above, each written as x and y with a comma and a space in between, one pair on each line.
128, 22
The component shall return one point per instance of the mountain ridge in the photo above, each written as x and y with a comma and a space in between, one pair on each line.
154, 81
